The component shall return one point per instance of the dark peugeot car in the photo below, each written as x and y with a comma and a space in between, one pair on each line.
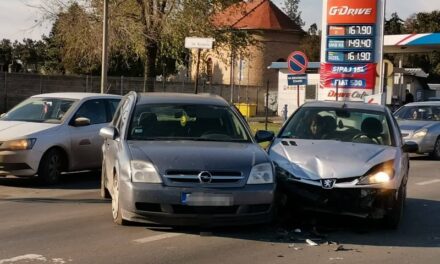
180, 159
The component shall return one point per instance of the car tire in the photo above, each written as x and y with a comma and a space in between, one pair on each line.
104, 191
51, 166
393, 217
116, 208
436, 152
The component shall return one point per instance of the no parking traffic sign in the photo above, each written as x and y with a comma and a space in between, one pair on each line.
297, 62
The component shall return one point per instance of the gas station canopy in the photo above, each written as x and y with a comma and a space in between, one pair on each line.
412, 43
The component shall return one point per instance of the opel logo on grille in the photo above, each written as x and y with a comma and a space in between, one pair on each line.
205, 177
328, 183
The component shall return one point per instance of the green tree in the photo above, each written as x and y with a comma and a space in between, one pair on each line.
423, 22
311, 43
5, 54
291, 7
394, 25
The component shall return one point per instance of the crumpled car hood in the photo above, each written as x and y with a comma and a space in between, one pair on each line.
328, 159
18, 129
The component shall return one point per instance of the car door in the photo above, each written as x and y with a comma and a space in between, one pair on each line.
111, 148
85, 140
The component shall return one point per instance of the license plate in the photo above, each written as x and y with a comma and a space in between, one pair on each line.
206, 199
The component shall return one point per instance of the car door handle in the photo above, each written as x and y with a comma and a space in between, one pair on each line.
85, 142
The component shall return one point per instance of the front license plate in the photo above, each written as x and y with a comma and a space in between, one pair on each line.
206, 199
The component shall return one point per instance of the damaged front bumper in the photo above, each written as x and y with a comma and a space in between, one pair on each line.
360, 202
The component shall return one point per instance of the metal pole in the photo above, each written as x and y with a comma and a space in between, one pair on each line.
267, 106
196, 84
163, 77
122, 85
6, 93
382, 33
232, 75
337, 90
297, 95
104, 65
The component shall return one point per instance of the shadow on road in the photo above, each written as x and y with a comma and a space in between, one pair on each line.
419, 228
78, 181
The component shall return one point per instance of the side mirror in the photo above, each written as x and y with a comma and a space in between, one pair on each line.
108, 133
81, 121
264, 136
410, 147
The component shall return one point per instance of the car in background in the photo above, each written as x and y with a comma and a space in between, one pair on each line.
344, 158
420, 123
182, 159
48, 134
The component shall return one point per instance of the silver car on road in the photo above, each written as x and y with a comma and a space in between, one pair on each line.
181, 159
345, 158
49, 134
420, 123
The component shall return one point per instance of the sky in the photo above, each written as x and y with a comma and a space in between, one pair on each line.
18, 19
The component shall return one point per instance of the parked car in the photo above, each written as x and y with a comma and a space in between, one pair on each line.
420, 123
49, 134
344, 158
180, 159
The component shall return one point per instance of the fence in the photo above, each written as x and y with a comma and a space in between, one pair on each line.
15, 87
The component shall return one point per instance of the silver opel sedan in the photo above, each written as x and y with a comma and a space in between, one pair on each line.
48, 134
180, 159
344, 158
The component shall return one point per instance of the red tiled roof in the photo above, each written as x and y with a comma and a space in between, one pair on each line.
255, 14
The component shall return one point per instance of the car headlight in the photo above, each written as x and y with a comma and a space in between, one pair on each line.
420, 133
18, 144
379, 174
142, 171
261, 174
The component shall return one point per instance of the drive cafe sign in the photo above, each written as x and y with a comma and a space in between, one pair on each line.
350, 49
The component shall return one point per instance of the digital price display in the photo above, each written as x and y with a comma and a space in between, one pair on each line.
350, 56
351, 30
352, 43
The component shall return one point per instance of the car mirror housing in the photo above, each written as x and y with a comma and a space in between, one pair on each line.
81, 121
410, 147
108, 132
264, 136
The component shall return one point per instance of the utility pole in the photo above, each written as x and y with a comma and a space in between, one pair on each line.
104, 65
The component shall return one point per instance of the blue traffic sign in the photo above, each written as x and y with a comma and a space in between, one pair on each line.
297, 62
300, 79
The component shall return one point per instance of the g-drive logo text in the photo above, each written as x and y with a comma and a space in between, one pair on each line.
347, 11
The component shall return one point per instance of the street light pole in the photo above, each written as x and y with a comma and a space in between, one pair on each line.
104, 65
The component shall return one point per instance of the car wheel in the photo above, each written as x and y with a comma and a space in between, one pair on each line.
436, 153
51, 166
394, 216
104, 191
116, 209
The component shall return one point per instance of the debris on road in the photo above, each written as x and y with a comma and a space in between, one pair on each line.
337, 258
311, 243
340, 248
291, 245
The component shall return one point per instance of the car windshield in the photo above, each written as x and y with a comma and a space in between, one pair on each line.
348, 125
186, 122
419, 112
41, 110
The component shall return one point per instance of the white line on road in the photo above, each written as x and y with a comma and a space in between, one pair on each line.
427, 182
156, 238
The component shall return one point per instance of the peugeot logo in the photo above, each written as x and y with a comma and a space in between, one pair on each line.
205, 177
328, 183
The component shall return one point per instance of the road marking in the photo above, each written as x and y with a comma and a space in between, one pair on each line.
427, 182
156, 238
26, 257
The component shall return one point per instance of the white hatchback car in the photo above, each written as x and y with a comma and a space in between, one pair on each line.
52, 133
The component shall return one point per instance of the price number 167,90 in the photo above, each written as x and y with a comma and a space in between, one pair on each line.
360, 30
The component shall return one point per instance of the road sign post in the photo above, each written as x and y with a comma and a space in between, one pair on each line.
199, 44
297, 63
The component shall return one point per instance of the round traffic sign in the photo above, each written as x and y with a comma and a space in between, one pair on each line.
297, 62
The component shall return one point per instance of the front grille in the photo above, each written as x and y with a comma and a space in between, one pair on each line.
204, 210
191, 176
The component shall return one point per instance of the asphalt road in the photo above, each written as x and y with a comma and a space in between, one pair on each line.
69, 223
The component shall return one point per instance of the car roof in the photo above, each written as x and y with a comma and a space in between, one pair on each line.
347, 105
426, 103
181, 98
78, 96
